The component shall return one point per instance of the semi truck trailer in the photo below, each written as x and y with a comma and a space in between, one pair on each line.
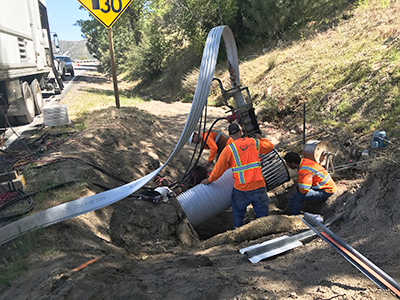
27, 64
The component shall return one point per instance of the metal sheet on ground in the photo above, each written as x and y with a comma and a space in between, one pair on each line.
84, 205
282, 244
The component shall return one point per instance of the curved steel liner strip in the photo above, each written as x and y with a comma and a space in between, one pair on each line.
364, 265
84, 205
274, 169
205, 201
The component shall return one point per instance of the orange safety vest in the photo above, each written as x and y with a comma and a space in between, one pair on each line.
312, 175
216, 141
247, 152
246, 165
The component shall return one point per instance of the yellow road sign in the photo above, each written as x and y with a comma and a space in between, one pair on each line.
106, 11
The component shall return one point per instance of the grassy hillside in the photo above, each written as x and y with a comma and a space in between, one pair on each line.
75, 49
346, 71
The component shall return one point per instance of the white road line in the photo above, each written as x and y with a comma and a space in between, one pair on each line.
38, 120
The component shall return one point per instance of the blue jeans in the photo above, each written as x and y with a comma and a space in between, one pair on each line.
297, 200
241, 199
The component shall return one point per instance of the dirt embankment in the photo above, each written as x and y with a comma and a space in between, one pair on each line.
150, 251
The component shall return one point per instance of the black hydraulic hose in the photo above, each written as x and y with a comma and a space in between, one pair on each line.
190, 162
224, 93
187, 174
22, 195
104, 171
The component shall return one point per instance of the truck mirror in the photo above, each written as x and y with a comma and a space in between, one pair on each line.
56, 43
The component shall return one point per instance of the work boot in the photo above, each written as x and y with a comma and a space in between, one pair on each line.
285, 211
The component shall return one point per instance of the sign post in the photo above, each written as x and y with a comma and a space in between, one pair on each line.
107, 12
113, 68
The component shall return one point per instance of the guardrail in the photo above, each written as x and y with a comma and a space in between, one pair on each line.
81, 61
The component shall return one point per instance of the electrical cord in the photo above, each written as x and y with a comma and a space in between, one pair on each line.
189, 172
18, 158
9, 125
22, 195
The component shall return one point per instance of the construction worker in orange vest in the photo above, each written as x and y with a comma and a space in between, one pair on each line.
216, 142
243, 156
313, 184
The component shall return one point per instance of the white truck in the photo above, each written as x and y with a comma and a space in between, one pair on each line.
27, 64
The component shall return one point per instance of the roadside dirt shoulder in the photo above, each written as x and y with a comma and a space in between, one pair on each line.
150, 251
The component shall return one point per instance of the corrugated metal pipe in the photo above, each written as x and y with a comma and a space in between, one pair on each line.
274, 170
205, 201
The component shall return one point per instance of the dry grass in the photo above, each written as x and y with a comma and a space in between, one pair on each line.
348, 74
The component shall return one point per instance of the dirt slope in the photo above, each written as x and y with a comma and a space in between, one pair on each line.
150, 251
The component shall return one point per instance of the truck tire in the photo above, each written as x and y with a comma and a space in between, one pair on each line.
57, 89
29, 103
63, 72
37, 96
72, 73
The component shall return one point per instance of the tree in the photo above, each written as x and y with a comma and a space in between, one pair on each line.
126, 34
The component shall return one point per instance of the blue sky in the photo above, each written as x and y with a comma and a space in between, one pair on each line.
63, 14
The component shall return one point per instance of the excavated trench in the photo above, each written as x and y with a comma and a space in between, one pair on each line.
151, 228
195, 216
141, 226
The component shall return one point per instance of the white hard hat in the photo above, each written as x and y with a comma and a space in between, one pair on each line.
190, 139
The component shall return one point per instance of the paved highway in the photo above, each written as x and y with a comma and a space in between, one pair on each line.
49, 98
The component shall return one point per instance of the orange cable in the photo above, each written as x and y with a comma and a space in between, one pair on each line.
86, 264
396, 291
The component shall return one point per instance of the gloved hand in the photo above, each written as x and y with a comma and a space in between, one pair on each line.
205, 181
208, 164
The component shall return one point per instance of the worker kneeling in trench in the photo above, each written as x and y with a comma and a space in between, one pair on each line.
314, 183
243, 156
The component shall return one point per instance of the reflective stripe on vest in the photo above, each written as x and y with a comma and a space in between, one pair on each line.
239, 167
325, 178
219, 133
218, 136
257, 145
304, 186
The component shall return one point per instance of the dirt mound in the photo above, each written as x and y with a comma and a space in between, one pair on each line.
150, 251
378, 200
373, 217
145, 227
146, 258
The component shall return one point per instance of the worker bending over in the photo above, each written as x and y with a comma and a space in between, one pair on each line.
313, 184
216, 142
243, 156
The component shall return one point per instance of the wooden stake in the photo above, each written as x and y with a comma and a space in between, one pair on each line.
113, 68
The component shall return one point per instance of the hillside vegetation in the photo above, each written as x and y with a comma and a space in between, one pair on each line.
339, 58
75, 49
156, 39
347, 73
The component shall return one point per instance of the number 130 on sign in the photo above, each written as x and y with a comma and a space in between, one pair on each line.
106, 11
